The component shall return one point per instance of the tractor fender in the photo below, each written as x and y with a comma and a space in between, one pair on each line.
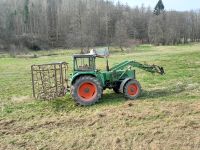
76, 76
121, 89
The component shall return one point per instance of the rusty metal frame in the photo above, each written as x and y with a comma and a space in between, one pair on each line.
49, 81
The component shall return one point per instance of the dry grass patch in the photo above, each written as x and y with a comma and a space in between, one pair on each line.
141, 125
21, 99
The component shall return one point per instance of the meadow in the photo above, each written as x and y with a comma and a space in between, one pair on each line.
165, 116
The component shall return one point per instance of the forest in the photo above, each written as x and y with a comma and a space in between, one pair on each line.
45, 24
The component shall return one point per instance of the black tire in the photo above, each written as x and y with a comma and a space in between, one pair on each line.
116, 90
117, 87
85, 86
132, 90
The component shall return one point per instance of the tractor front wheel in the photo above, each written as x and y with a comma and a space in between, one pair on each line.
132, 89
86, 90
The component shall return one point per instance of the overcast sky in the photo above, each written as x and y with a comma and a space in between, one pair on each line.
179, 5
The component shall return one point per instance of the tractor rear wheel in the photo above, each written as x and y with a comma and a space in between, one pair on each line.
132, 89
86, 90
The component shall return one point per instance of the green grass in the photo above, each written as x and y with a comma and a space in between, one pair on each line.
167, 114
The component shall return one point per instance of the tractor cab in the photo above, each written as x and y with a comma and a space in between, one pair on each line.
84, 62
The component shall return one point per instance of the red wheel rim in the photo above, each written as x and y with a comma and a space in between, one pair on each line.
87, 91
133, 89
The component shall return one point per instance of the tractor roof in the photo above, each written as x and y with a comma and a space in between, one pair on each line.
83, 55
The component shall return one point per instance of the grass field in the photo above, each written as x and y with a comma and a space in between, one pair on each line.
166, 116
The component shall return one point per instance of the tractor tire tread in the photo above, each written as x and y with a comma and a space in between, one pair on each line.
74, 90
126, 95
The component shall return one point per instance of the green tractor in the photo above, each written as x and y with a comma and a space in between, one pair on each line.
88, 83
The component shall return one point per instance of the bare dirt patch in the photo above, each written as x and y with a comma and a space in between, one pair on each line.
21, 99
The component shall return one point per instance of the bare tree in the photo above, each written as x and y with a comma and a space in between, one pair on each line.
121, 34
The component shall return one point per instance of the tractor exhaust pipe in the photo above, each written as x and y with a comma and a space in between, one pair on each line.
107, 65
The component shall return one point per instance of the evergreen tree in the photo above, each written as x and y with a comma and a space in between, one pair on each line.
159, 8
26, 11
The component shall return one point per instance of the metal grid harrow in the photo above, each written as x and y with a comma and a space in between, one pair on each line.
49, 81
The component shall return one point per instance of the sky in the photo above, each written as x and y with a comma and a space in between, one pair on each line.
179, 5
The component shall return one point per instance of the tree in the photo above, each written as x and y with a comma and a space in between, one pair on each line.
157, 28
26, 11
159, 8
155, 31
121, 34
52, 22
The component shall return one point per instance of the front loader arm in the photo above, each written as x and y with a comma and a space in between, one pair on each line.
148, 68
